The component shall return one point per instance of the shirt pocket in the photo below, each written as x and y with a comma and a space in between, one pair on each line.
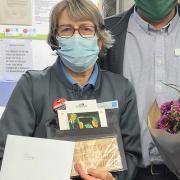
173, 71
176, 63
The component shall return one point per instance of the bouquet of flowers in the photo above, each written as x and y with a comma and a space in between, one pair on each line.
164, 126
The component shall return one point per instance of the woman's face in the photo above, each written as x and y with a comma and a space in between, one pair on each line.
84, 27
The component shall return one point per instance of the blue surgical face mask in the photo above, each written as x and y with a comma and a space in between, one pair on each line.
78, 53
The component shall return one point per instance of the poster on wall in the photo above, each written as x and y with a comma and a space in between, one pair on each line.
35, 26
27, 19
16, 12
15, 59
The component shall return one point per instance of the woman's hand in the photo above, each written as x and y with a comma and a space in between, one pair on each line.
93, 174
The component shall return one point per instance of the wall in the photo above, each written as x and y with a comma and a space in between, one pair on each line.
126, 4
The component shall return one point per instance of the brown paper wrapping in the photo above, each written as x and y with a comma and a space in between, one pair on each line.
98, 153
153, 115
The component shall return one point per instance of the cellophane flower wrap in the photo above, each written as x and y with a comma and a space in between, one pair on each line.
164, 126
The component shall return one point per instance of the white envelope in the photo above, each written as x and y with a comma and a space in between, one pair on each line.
28, 158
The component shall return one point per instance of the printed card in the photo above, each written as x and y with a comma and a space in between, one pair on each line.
82, 120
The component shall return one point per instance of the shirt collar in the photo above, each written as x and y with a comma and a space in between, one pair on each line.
91, 81
148, 28
93, 77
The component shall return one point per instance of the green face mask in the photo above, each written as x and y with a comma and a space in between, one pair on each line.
155, 10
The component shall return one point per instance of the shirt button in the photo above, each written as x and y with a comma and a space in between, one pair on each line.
159, 61
158, 87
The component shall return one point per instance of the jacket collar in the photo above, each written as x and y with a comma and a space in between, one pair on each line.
61, 76
123, 20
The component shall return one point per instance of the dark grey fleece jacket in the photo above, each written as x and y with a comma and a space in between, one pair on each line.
31, 103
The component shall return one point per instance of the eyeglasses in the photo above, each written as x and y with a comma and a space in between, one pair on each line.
68, 31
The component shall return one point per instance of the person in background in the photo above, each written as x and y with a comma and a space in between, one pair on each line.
78, 36
147, 52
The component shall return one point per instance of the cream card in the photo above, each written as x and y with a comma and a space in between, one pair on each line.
82, 120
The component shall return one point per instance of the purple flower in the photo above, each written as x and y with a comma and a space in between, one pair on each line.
170, 113
170, 117
166, 107
163, 122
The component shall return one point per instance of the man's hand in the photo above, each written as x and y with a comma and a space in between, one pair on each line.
93, 174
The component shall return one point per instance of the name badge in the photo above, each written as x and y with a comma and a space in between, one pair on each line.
109, 105
177, 52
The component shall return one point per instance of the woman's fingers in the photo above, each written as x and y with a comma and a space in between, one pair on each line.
101, 174
93, 174
82, 173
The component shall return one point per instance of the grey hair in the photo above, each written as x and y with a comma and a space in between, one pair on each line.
79, 10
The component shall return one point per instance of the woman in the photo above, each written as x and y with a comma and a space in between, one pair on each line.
78, 35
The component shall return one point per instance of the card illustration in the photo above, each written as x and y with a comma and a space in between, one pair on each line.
84, 120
